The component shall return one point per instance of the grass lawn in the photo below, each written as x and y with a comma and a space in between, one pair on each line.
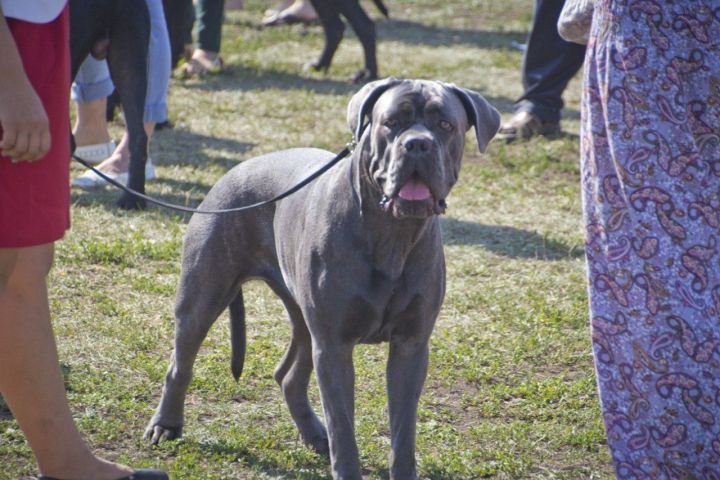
511, 391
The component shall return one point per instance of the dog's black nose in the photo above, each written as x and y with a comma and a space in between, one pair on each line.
417, 144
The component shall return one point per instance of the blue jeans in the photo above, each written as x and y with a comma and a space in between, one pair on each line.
93, 78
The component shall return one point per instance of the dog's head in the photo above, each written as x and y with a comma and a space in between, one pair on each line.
415, 138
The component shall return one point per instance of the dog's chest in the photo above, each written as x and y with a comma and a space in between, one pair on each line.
382, 310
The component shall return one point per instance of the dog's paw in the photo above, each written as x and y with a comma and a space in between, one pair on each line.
131, 202
157, 433
315, 67
321, 445
364, 76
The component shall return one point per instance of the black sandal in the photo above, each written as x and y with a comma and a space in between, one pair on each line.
141, 474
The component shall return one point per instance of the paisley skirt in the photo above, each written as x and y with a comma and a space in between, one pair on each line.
650, 153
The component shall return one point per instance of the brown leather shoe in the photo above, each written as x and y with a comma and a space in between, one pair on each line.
524, 125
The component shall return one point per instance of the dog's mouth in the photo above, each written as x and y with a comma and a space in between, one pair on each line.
413, 200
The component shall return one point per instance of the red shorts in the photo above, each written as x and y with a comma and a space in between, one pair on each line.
35, 196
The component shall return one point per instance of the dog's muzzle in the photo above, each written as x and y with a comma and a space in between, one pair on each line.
413, 200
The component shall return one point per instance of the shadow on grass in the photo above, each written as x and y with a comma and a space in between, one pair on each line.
414, 33
4, 410
309, 471
174, 147
507, 241
267, 465
183, 147
264, 79
107, 200
239, 77
242, 77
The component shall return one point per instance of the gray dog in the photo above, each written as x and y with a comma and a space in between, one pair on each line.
356, 257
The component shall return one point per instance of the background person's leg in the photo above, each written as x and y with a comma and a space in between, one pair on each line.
548, 65
209, 16
90, 90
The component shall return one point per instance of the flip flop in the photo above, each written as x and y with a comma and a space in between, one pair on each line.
90, 179
195, 68
141, 474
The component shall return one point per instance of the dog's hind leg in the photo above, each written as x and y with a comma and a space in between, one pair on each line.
199, 303
293, 376
128, 62
334, 29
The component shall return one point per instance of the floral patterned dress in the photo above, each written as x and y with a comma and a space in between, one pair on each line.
650, 144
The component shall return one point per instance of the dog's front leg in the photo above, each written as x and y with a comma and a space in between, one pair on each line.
336, 378
406, 371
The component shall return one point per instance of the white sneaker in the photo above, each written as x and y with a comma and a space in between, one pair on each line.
91, 179
95, 153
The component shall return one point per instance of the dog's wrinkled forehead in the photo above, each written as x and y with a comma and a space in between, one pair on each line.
419, 95
467, 106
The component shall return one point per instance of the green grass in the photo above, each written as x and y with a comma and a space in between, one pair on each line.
510, 392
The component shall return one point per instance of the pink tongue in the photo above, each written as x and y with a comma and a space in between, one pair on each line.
414, 190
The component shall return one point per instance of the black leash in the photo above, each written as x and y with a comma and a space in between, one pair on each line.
344, 153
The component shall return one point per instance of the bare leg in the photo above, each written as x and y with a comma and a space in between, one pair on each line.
91, 125
30, 377
119, 161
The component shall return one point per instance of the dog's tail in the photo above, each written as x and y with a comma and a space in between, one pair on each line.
381, 6
238, 339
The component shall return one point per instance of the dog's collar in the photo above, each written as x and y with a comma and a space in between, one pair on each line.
357, 135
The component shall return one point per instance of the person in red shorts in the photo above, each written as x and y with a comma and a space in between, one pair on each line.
34, 213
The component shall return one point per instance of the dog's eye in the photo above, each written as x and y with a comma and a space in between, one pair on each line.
391, 122
445, 125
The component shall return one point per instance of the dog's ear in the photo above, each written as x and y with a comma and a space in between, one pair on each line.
483, 116
363, 101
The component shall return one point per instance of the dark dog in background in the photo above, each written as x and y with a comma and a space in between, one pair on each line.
179, 27
329, 12
120, 31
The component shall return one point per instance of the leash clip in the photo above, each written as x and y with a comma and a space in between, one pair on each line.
352, 144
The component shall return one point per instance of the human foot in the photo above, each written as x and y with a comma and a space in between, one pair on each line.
90, 468
203, 62
116, 167
300, 11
